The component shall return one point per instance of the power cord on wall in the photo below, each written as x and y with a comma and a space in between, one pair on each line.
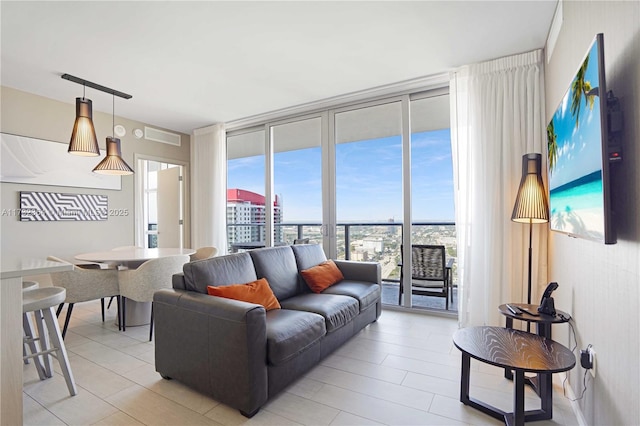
584, 378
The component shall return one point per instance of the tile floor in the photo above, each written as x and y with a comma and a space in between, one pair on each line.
403, 369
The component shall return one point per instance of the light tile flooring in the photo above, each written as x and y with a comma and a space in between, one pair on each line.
402, 369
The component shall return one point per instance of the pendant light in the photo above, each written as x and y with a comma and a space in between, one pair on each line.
83, 137
113, 164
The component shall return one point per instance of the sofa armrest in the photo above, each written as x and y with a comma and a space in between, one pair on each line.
215, 345
360, 271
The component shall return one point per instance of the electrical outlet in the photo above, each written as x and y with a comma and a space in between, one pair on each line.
592, 357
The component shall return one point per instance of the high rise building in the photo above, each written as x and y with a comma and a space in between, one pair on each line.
248, 208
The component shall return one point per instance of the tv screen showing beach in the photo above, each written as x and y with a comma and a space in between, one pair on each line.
575, 155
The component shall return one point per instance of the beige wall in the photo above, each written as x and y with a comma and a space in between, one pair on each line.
26, 114
600, 284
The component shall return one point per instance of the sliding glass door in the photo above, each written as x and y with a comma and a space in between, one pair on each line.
368, 162
365, 180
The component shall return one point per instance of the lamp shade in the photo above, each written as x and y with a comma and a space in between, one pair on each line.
113, 164
83, 137
531, 202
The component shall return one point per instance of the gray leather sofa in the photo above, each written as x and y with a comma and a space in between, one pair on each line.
237, 352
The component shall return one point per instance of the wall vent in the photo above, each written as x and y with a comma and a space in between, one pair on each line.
157, 135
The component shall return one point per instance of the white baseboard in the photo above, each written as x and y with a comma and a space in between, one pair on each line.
575, 406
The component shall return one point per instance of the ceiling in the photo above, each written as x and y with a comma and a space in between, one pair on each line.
192, 64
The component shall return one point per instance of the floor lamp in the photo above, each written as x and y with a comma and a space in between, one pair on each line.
531, 202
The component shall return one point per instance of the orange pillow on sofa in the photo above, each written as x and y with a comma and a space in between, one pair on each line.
322, 276
254, 292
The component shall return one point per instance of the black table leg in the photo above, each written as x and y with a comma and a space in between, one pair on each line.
464, 381
518, 399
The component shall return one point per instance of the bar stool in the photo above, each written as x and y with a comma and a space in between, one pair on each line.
27, 326
41, 301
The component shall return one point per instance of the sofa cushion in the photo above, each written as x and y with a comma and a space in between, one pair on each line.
337, 310
218, 271
257, 292
278, 266
365, 293
308, 255
322, 276
291, 332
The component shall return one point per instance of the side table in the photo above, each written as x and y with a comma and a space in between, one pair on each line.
543, 321
516, 350
542, 384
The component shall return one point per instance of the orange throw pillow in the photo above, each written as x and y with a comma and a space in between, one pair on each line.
322, 276
254, 292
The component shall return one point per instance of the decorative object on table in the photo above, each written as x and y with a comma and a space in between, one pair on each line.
43, 162
54, 206
531, 204
112, 164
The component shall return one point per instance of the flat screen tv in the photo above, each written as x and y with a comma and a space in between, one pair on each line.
578, 159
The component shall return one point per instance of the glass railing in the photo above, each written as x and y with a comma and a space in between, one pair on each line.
370, 241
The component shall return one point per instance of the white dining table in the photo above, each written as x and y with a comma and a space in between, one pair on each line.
138, 313
134, 255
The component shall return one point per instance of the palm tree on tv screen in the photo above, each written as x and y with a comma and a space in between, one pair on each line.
552, 145
580, 88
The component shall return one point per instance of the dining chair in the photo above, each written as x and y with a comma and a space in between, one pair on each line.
85, 284
140, 284
204, 253
428, 266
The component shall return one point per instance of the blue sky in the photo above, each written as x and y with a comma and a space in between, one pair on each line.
579, 148
368, 179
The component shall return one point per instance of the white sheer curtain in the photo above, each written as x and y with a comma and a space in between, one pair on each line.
497, 114
209, 188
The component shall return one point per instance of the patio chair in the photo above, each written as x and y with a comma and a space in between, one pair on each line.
428, 267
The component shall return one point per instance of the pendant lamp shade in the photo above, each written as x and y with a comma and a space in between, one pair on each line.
531, 204
83, 138
113, 164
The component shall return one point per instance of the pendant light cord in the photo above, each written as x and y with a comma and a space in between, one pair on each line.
113, 116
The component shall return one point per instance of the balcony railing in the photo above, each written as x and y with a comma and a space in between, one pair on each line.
376, 241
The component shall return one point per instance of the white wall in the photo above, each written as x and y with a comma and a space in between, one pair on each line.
26, 114
599, 285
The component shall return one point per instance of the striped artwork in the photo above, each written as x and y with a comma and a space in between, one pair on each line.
49, 206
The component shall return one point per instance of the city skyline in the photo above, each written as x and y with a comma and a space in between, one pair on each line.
368, 180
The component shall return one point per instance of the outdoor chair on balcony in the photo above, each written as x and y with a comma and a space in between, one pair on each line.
301, 241
428, 267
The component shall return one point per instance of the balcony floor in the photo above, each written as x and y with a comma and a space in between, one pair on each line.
390, 297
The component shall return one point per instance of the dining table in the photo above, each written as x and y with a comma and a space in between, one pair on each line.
138, 313
132, 256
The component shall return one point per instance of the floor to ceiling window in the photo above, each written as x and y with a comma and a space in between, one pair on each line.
360, 179
245, 188
297, 180
369, 183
